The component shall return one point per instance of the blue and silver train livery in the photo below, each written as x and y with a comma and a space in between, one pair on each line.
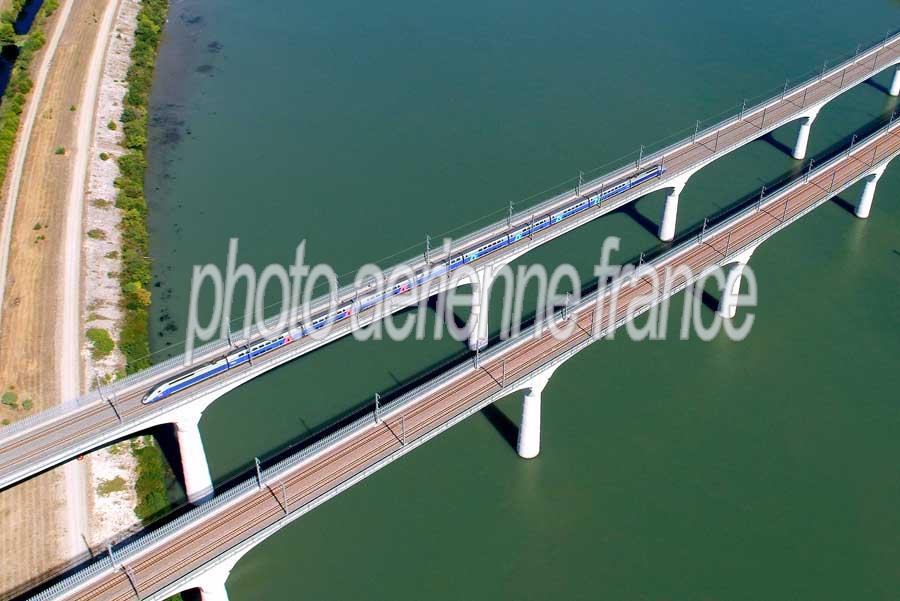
261, 347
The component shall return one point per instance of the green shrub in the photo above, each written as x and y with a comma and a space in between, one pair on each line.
153, 474
10, 399
101, 341
19, 83
107, 487
59, 150
112, 125
104, 156
7, 33
135, 274
96, 234
27, 404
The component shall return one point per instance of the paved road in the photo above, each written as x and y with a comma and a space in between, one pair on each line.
227, 525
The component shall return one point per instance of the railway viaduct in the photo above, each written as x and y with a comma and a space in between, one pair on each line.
111, 412
199, 548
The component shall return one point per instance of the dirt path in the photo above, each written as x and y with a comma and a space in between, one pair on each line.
70, 340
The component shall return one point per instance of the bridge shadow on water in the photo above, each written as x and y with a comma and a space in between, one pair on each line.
631, 211
500, 421
878, 86
502, 424
497, 418
844, 204
777, 144
774, 184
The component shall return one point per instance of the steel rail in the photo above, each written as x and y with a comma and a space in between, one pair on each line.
228, 499
139, 381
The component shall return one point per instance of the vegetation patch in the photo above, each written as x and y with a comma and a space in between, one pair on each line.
101, 342
108, 487
135, 275
10, 399
153, 474
13, 100
104, 156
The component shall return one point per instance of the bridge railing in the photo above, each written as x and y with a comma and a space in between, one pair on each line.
416, 263
279, 469
106, 391
146, 376
496, 228
733, 115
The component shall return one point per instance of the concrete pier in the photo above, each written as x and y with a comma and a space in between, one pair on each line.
211, 583
529, 444
214, 591
670, 213
803, 137
197, 481
478, 318
728, 302
864, 208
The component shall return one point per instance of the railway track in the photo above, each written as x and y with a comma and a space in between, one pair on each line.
56, 438
326, 470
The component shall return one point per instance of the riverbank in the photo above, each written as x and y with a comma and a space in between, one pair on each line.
152, 471
12, 104
128, 488
113, 470
20, 83
135, 272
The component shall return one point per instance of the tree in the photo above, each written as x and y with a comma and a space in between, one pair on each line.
7, 33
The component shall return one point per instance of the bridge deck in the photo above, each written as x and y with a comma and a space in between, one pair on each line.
55, 436
226, 526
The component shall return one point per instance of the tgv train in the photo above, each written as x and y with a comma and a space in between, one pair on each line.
261, 347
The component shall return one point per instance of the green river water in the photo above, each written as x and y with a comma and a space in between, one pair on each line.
765, 469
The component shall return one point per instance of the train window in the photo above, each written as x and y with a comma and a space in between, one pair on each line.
183, 378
